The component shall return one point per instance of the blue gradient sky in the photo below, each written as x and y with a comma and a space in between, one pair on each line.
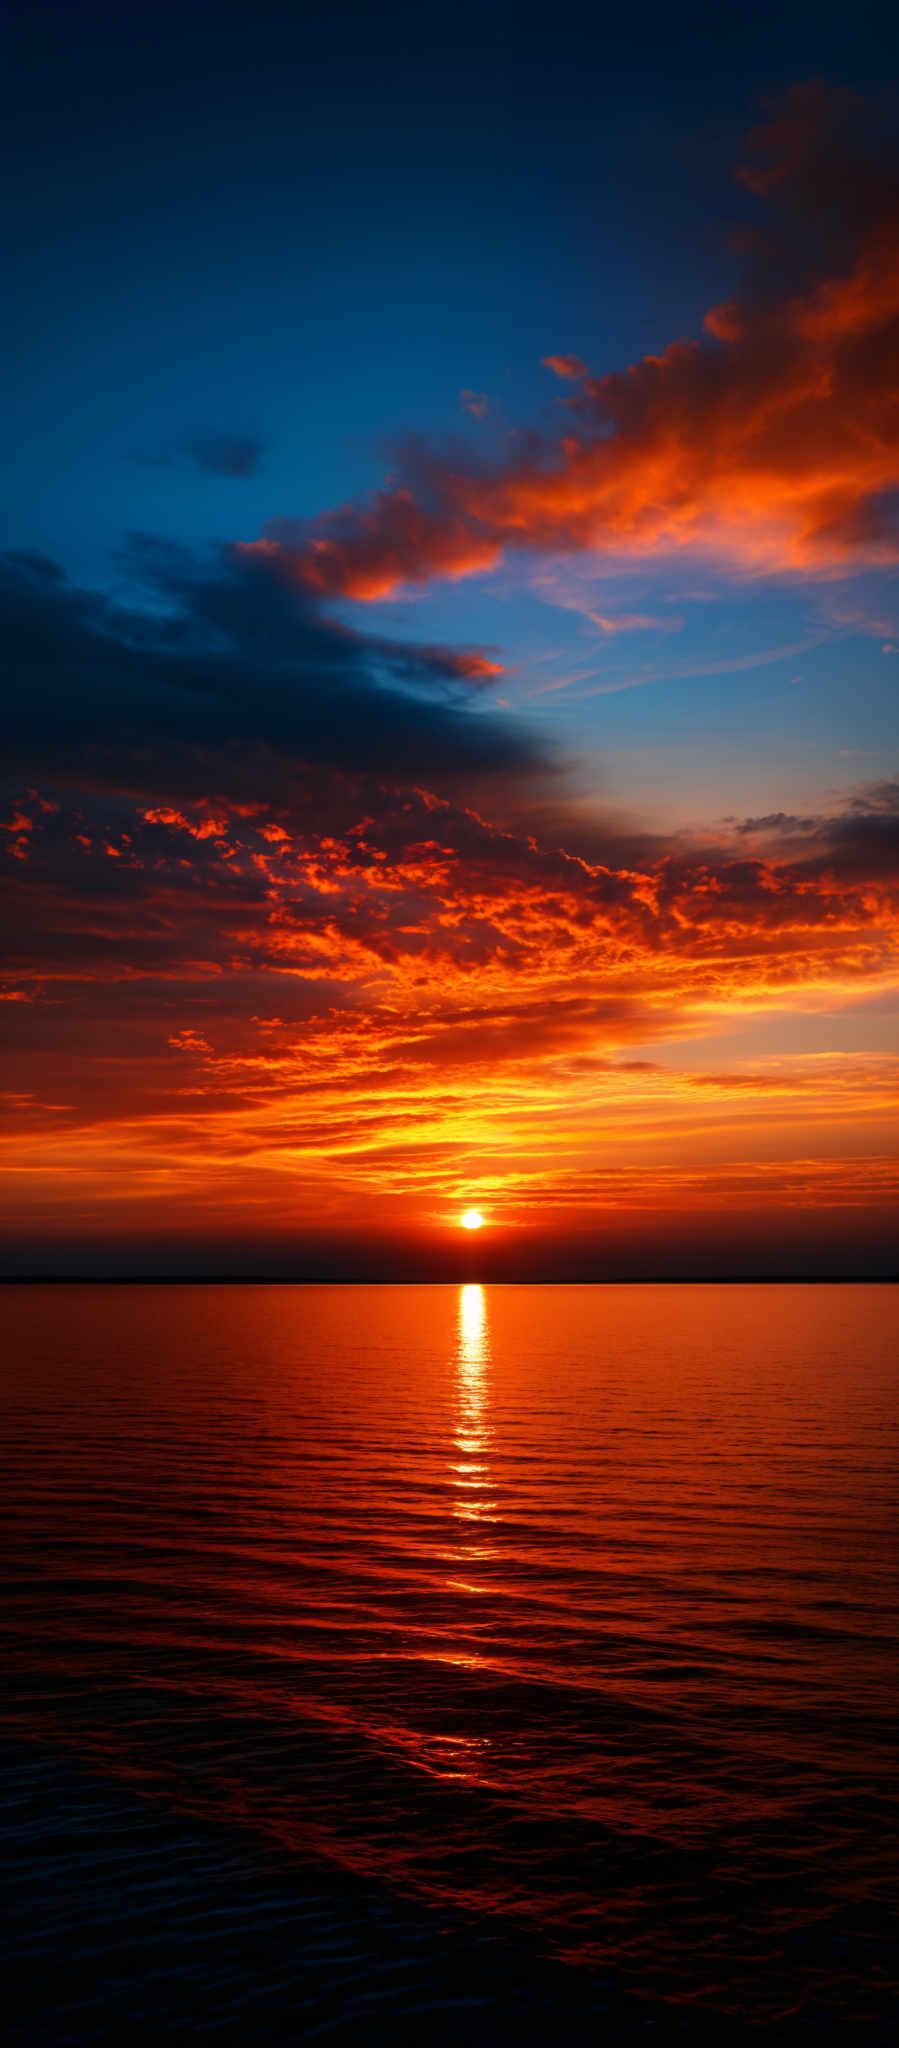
314, 232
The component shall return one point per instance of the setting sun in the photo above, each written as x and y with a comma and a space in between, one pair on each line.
471, 1219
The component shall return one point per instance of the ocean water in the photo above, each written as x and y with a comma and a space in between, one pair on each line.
379, 1660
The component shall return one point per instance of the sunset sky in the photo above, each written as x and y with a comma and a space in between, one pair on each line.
451, 622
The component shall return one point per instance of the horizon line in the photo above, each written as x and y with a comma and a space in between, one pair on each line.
444, 1280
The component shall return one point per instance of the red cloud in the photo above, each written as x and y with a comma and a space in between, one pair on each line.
367, 551
199, 828
774, 441
189, 1041
565, 366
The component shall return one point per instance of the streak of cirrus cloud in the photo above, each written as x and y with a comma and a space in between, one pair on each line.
773, 443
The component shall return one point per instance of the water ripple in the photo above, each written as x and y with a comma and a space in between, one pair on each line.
571, 1611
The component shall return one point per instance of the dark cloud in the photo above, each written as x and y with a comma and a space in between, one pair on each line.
234, 455
860, 842
784, 823
864, 842
222, 679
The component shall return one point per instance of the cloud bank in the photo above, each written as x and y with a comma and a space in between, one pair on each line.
772, 443
271, 950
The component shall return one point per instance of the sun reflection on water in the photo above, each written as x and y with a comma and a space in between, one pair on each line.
470, 1471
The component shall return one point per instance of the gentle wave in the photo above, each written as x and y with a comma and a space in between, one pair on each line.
571, 1611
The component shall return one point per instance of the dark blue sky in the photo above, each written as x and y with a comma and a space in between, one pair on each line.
314, 226
251, 247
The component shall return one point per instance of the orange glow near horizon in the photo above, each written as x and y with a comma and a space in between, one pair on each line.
327, 1028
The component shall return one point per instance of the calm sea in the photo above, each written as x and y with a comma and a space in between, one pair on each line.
374, 1654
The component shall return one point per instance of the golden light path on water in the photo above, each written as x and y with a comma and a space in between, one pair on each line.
471, 1480
470, 1469
473, 1358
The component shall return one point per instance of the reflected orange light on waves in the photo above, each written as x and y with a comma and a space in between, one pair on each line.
470, 1473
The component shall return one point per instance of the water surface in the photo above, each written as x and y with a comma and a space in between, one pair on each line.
568, 1613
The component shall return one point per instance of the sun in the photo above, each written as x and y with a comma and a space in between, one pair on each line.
471, 1219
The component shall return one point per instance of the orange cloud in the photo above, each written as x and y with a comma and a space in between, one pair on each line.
773, 442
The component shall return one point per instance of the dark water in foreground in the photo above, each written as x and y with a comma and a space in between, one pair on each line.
384, 1660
